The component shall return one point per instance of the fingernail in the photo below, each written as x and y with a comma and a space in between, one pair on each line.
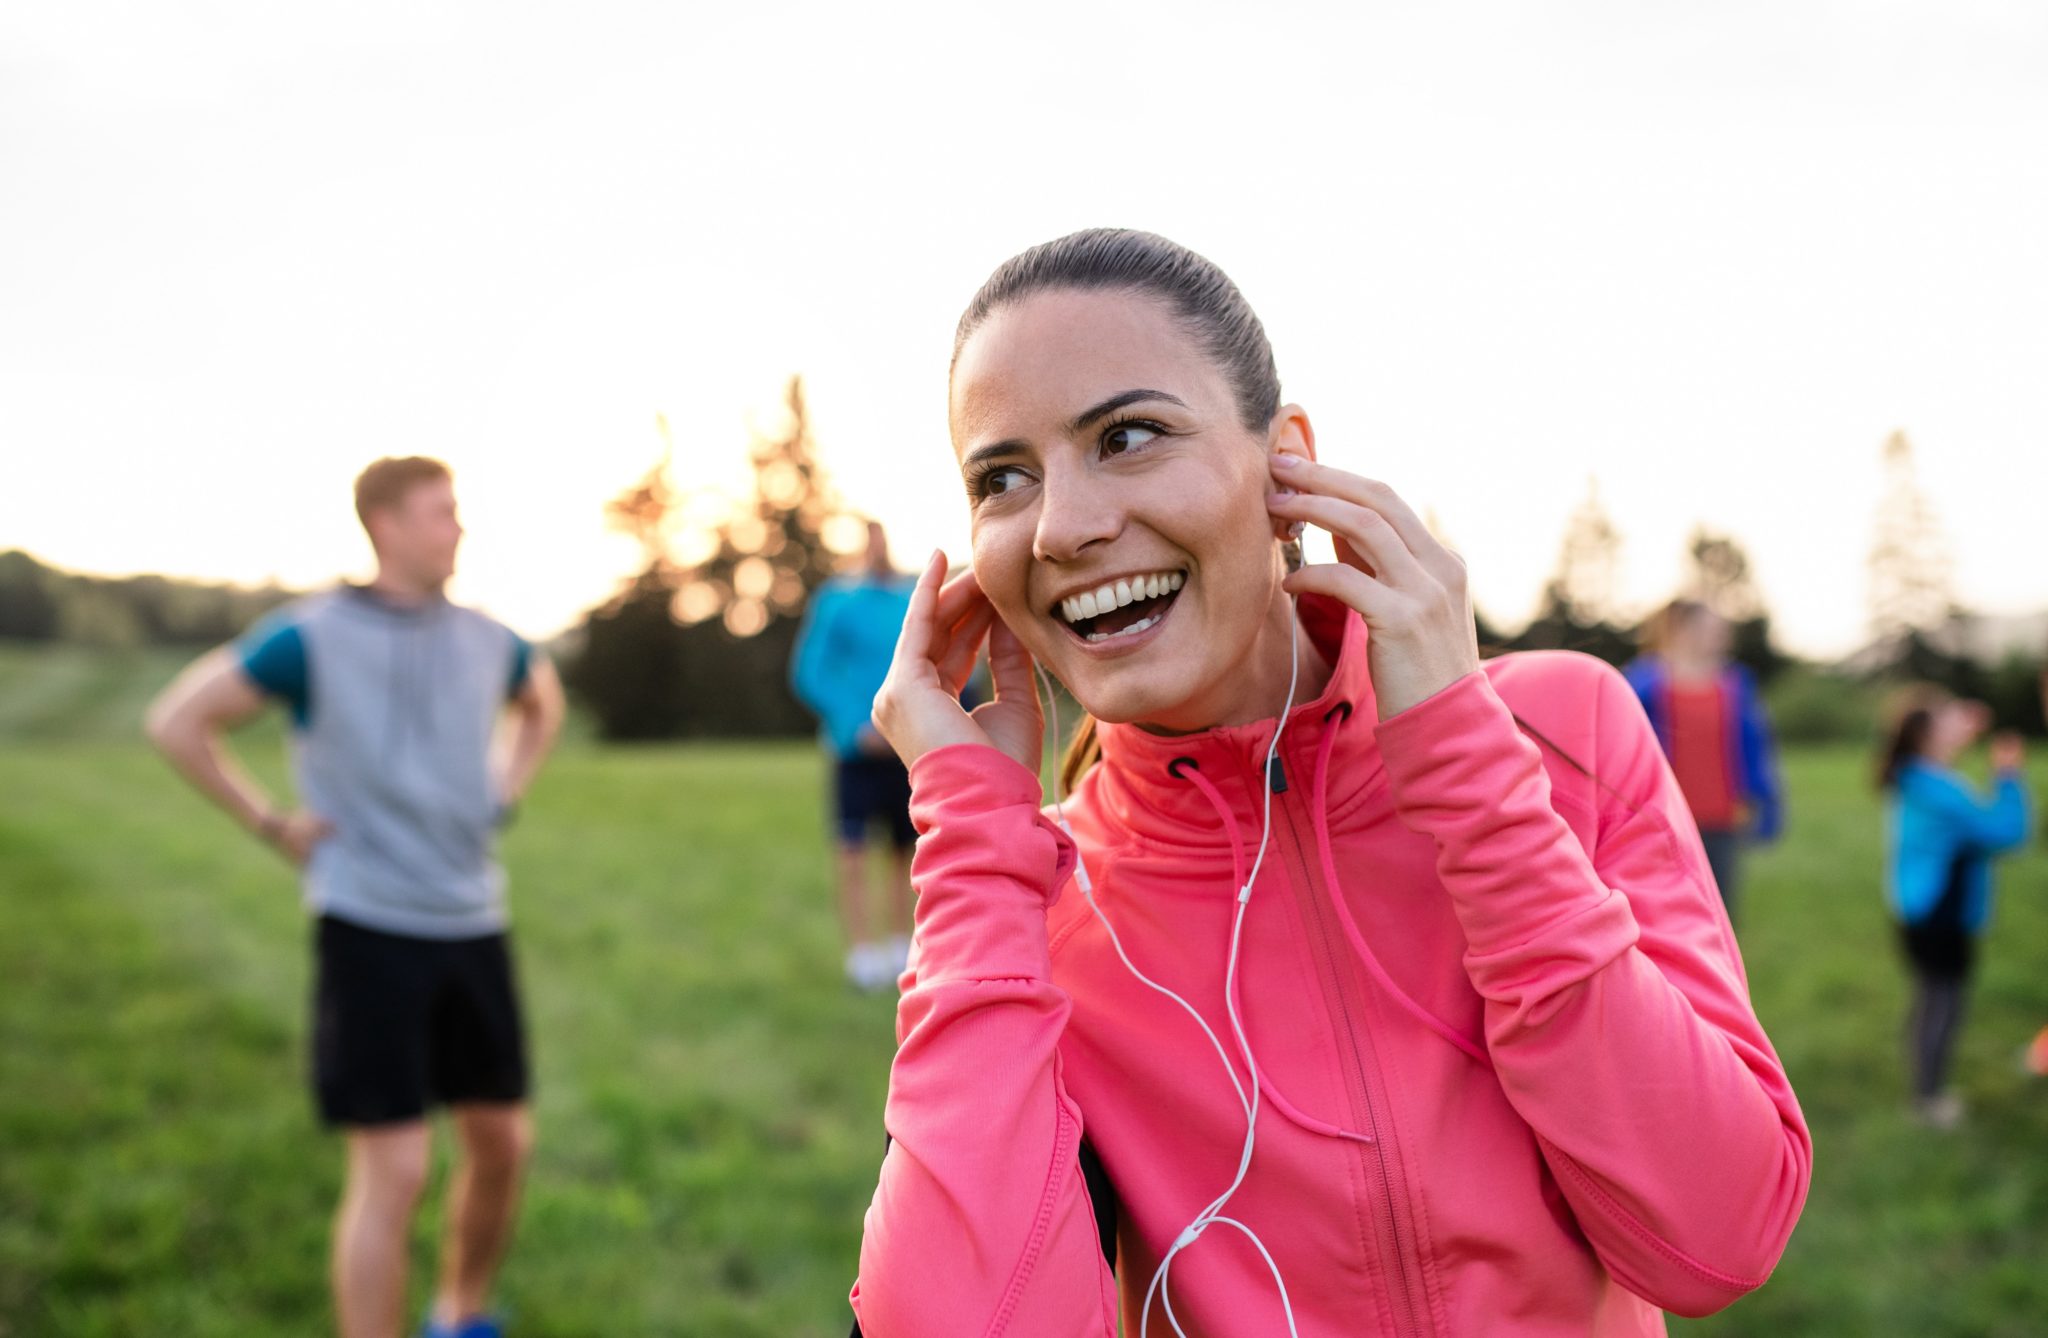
1282, 460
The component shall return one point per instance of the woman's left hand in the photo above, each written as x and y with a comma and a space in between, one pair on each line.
1409, 588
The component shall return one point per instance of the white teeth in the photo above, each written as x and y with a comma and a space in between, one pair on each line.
1132, 630
1117, 594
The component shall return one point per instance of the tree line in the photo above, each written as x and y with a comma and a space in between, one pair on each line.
43, 603
696, 642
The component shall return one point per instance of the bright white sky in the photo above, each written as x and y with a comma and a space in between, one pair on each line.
1708, 254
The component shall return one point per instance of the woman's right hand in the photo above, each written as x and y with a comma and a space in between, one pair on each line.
918, 708
2008, 753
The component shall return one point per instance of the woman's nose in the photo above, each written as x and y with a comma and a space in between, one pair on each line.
1075, 512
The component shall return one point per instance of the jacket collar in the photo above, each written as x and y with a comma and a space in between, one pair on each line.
1137, 785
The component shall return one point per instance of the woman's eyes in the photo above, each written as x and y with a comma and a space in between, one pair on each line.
1117, 439
1123, 437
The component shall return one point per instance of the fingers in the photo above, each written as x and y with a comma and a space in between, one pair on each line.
1308, 477
962, 646
961, 614
956, 597
1341, 581
1386, 555
1009, 665
920, 627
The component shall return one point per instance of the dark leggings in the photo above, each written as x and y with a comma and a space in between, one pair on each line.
1931, 1027
1942, 953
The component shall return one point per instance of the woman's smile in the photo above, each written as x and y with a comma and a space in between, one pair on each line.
1115, 613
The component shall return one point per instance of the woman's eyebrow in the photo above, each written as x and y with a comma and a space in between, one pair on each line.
996, 449
1115, 402
990, 452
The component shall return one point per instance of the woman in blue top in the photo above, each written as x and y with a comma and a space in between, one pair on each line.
1942, 832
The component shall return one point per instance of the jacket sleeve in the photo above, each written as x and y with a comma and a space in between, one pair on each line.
815, 678
1617, 1014
1759, 759
1989, 826
810, 661
981, 1224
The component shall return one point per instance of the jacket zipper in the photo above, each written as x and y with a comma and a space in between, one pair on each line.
1401, 1289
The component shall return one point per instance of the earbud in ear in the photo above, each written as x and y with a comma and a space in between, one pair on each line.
1292, 531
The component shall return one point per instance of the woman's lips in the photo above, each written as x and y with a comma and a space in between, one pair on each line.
1125, 627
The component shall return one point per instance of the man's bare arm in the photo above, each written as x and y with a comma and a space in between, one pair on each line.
537, 710
188, 722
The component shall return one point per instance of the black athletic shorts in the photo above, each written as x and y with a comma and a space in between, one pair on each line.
403, 1024
873, 790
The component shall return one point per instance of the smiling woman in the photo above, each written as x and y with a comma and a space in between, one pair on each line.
1465, 979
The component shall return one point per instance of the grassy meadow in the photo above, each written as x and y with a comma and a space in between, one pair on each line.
709, 1092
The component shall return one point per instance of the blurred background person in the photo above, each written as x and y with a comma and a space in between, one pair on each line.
395, 696
1941, 835
1711, 722
842, 654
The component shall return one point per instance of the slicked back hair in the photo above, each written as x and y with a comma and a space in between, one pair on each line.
1200, 295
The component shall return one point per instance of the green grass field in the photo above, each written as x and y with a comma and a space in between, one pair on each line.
710, 1094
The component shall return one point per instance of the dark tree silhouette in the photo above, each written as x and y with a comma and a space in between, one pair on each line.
702, 649
1580, 606
1722, 578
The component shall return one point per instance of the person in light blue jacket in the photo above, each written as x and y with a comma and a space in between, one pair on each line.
1941, 835
842, 654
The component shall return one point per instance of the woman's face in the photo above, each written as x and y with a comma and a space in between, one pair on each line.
1118, 503
1705, 636
1955, 727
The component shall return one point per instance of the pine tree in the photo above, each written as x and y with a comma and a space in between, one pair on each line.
1580, 607
1911, 581
1586, 585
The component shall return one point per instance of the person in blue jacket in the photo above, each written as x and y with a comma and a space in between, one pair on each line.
1712, 725
842, 654
1942, 833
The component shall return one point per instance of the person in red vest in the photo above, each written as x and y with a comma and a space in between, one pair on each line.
1705, 709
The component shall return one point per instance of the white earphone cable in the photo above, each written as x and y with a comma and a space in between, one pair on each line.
1212, 1215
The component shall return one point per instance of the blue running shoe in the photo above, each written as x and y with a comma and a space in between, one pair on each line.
480, 1326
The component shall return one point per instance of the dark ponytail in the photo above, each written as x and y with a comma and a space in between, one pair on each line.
1912, 715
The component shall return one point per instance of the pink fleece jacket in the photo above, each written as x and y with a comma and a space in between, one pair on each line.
1511, 1082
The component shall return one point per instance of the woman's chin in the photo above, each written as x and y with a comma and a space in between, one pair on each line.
1127, 695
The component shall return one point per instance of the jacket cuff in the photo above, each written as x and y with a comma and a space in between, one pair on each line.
988, 865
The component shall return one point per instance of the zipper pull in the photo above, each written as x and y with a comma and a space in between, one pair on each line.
1276, 775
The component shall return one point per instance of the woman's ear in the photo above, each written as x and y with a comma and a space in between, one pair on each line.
1292, 433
